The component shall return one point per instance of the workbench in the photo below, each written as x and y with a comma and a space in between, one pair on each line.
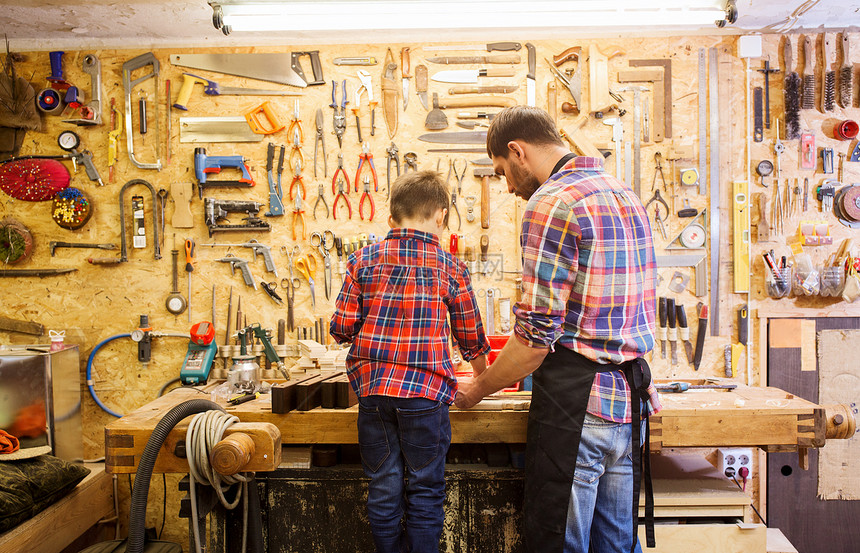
768, 418
701, 510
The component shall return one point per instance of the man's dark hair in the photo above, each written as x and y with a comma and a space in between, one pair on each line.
529, 124
418, 195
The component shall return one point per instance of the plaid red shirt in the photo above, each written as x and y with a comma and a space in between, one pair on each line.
394, 307
589, 277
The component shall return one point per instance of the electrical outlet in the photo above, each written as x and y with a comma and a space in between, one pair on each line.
730, 461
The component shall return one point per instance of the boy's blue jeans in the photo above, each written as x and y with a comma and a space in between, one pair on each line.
600, 509
403, 443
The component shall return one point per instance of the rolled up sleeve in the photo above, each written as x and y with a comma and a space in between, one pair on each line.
550, 259
466, 324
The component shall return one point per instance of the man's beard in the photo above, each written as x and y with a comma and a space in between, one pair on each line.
526, 182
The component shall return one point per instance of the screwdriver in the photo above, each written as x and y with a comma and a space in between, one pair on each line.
189, 267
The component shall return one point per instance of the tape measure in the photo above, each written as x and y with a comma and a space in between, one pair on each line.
689, 177
693, 236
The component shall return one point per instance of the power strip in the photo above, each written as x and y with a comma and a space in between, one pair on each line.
730, 461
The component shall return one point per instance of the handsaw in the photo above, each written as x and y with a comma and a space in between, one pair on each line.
389, 93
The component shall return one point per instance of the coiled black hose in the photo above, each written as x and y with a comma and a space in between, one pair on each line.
137, 514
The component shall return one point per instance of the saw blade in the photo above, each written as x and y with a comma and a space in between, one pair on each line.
273, 68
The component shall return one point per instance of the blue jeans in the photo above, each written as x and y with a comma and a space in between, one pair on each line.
403, 443
601, 500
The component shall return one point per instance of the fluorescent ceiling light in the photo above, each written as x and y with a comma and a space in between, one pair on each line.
295, 15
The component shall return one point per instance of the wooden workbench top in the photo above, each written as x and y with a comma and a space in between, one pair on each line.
743, 417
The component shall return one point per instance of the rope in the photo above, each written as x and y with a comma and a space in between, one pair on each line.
206, 430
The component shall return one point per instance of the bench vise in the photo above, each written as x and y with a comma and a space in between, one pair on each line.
216, 210
205, 165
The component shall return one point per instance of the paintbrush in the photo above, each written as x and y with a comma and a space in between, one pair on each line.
792, 95
808, 75
828, 78
846, 74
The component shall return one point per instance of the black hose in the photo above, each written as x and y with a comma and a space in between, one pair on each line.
137, 514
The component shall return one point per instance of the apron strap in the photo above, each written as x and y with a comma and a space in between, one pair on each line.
638, 375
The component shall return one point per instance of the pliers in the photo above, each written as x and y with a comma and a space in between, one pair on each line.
392, 156
340, 194
296, 153
296, 123
338, 118
452, 168
660, 220
320, 139
321, 197
297, 178
299, 215
410, 160
364, 196
365, 155
340, 169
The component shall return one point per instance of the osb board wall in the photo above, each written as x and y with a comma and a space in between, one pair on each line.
100, 301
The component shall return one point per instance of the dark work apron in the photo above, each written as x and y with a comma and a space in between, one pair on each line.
560, 392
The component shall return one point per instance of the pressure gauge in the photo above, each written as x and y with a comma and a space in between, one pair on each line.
137, 335
69, 140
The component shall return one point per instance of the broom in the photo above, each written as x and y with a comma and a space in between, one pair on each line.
32, 179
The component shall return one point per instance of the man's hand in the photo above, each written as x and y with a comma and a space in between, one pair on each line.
463, 399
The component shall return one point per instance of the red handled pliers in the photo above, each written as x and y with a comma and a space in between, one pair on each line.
365, 155
339, 169
297, 178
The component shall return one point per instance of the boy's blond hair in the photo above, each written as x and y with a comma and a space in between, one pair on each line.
418, 194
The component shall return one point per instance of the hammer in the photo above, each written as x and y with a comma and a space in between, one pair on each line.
484, 173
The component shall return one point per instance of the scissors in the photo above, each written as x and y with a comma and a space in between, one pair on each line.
306, 265
324, 242
291, 285
269, 288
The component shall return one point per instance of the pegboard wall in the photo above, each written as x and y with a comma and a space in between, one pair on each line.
98, 301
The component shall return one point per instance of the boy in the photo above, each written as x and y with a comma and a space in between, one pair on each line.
394, 306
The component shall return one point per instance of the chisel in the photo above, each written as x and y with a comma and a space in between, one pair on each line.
673, 329
700, 335
493, 46
661, 330
684, 331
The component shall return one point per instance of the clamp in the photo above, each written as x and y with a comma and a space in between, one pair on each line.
299, 215
321, 197
660, 220
296, 123
365, 155
364, 196
338, 117
410, 160
340, 169
340, 194
297, 178
367, 86
320, 139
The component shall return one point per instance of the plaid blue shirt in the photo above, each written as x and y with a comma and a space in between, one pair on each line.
589, 277
394, 307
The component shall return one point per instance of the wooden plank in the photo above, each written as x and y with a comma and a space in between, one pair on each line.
56, 527
808, 358
784, 333
778, 543
707, 538
24, 327
747, 430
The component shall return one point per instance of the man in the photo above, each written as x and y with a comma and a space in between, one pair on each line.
583, 325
